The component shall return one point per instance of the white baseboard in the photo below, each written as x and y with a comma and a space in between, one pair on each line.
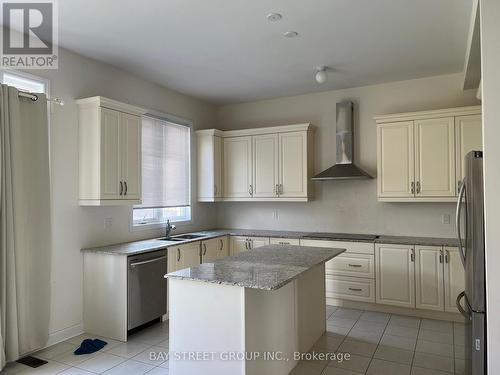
64, 334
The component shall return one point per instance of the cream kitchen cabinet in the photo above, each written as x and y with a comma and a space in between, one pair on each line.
395, 275
109, 152
429, 271
435, 157
210, 159
183, 256
262, 164
468, 137
419, 154
213, 249
395, 160
244, 243
238, 167
454, 278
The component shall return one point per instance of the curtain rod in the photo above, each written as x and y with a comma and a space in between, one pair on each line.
34, 98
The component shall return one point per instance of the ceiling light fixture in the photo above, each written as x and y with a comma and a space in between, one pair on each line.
273, 17
290, 34
321, 74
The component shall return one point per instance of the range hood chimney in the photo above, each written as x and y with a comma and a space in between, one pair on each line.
344, 169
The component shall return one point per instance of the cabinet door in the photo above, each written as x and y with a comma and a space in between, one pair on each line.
222, 247
256, 242
218, 167
110, 154
174, 259
429, 278
435, 157
239, 244
469, 137
209, 250
238, 167
395, 160
265, 165
293, 164
131, 166
454, 278
190, 254
395, 275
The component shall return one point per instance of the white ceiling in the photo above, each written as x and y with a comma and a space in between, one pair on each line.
226, 51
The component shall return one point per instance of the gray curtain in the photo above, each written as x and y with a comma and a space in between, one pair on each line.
25, 230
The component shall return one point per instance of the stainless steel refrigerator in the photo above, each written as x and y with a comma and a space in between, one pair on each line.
470, 230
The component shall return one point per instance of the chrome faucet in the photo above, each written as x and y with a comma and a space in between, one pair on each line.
169, 228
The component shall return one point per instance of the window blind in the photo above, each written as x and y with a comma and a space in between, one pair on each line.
165, 164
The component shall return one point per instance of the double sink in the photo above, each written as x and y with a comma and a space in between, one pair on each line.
182, 237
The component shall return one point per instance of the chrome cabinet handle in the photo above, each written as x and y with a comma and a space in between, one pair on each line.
284, 243
418, 187
250, 190
221, 244
204, 249
440, 256
412, 187
147, 261
121, 187
126, 187
354, 265
446, 256
246, 243
277, 187
412, 255
178, 254
356, 289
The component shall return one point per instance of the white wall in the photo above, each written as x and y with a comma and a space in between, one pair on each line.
490, 57
76, 227
345, 206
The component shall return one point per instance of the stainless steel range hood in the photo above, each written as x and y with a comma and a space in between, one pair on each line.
344, 169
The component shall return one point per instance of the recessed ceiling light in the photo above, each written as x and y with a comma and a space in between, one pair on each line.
291, 34
273, 17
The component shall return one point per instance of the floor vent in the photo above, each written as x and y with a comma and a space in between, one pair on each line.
31, 361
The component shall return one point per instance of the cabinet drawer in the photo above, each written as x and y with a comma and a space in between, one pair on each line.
350, 247
350, 288
284, 241
359, 265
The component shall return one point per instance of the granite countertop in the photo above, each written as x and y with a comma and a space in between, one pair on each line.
267, 268
144, 246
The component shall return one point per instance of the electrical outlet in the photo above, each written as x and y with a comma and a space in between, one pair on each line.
108, 222
445, 219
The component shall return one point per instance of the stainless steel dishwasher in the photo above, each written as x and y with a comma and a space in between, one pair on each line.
147, 288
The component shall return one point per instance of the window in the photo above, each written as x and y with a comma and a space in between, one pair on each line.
25, 82
166, 183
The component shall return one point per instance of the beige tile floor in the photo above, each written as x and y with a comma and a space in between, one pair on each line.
379, 344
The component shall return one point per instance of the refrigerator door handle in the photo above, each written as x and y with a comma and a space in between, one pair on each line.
460, 308
457, 219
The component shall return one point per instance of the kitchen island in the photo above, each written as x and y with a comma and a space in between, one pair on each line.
249, 313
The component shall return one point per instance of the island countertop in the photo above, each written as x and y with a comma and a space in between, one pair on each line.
266, 268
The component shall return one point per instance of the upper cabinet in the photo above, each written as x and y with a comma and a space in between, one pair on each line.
420, 154
260, 164
110, 152
210, 183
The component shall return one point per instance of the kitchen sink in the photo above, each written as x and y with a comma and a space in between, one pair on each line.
182, 237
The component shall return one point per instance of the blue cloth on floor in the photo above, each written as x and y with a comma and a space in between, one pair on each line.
89, 346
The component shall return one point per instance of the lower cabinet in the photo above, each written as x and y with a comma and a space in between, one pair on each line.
213, 249
395, 275
429, 271
243, 243
183, 256
422, 277
454, 278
